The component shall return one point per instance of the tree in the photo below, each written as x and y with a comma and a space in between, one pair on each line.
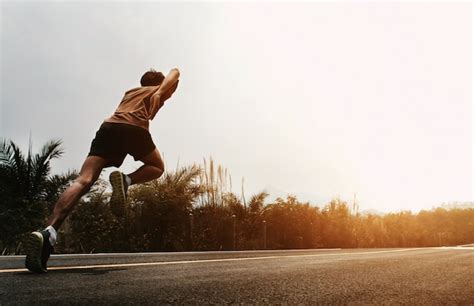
252, 229
26, 189
162, 209
291, 224
338, 225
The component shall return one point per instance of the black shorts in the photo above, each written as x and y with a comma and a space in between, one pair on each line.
114, 141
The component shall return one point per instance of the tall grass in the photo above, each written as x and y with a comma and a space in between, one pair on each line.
216, 183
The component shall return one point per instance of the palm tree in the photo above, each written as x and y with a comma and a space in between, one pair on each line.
161, 209
257, 202
26, 187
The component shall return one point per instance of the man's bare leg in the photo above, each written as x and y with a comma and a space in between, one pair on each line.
153, 168
89, 173
38, 245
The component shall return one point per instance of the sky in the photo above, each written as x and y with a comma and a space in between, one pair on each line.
320, 100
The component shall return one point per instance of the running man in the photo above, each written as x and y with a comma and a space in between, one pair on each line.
125, 132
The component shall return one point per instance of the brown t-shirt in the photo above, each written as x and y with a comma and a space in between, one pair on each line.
136, 108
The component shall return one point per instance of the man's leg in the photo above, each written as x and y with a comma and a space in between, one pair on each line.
153, 168
39, 244
89, 173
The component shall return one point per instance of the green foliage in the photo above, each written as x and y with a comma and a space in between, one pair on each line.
164, 206
157, 219
93, 228
193, 208
291, 224
337, 225
26, 189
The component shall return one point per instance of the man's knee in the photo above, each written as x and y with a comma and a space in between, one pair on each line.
161, 166
158, 164
154, 159
86, 182
161, 170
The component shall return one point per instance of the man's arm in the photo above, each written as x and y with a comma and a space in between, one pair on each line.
168, 82
166, 95
165, 90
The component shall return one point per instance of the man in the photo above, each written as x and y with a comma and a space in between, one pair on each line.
125, 132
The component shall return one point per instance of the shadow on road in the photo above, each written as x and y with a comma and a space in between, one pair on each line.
83, 271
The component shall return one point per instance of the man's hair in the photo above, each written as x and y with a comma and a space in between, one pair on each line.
152, 78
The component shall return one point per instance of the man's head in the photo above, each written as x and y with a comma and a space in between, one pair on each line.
152, 78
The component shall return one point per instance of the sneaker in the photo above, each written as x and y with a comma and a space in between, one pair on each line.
37, 249
118, 199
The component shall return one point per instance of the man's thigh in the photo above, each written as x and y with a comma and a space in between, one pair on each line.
93, 165
153, 158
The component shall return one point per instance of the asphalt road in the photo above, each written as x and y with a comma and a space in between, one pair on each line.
356, 276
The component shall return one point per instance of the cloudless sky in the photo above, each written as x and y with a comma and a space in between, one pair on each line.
320, 100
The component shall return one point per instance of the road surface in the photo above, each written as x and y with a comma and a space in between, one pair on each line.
360, 276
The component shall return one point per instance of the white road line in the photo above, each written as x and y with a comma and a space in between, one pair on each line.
162, 263
456, 248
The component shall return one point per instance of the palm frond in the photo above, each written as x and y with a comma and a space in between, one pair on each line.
40, 163
56, 183
18, 165
257, 201
6, 151
52, 149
